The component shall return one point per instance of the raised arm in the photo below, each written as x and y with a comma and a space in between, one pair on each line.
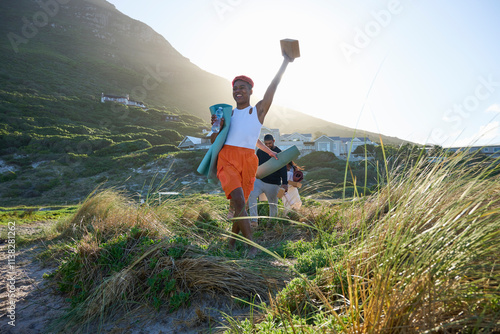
264, 104
266, 149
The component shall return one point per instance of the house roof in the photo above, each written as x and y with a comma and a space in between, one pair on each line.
307, 135
138, 102
344, 139
114, 96
194, 140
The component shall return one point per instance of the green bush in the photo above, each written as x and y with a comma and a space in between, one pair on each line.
16, 140
124, 147
46, 185
9, 176
94, 166
310, 261
162, 149
317, 159
154, 139
171, 135
338, 192
329, 174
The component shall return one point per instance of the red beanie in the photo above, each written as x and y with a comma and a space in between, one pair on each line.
243, 78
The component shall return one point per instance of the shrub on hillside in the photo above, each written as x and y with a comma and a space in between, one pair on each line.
16, 140
80, 144
317, 159
100, 143
162, 149
124, 147
330, 174
9, 176
47, 184
191, 159
96, 165
158, 139
171, 135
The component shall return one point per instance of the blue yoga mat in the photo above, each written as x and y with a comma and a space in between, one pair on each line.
272, 165
208, 165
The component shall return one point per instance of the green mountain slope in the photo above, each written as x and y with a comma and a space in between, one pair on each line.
87, 47
58, 141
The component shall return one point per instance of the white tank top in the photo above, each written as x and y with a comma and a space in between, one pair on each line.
245, 128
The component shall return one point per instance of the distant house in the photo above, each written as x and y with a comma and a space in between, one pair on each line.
340, 146
308, 148
330, 144
297, 139
301, 140
122, 99
492, 150
275, 132
190, 143
355, 142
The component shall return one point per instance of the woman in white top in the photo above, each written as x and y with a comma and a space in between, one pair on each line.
237, 162
291, 199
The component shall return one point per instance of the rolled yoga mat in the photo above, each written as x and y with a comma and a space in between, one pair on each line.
272, 165
208, 165
298, 176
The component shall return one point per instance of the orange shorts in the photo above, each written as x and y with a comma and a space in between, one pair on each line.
236, 168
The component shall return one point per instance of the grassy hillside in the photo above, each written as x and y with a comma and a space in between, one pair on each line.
54, 132
50, 143
87, 47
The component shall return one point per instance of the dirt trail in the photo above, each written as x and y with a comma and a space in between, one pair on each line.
38, 304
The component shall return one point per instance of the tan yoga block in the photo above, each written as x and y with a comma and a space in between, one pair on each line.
281, 192
295, 184
290, 47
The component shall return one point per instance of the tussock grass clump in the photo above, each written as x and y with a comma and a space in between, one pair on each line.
125, 256
108, 213
430, 259
422, 257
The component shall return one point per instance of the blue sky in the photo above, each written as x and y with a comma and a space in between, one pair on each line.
424, 71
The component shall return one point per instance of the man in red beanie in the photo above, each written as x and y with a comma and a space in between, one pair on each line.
237, 163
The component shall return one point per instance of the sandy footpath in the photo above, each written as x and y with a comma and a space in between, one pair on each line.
37, 303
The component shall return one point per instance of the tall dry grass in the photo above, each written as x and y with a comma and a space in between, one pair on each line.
128, 256
107, 213
423, 258
430, 260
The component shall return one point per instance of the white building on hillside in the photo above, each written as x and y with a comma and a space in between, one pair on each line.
275, 132
491, 150
190, 143
122, 99
303, 141
340, 146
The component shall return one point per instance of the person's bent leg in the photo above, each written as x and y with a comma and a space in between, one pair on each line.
243, 224
252, 200
238, 203
271, 192
235, 228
